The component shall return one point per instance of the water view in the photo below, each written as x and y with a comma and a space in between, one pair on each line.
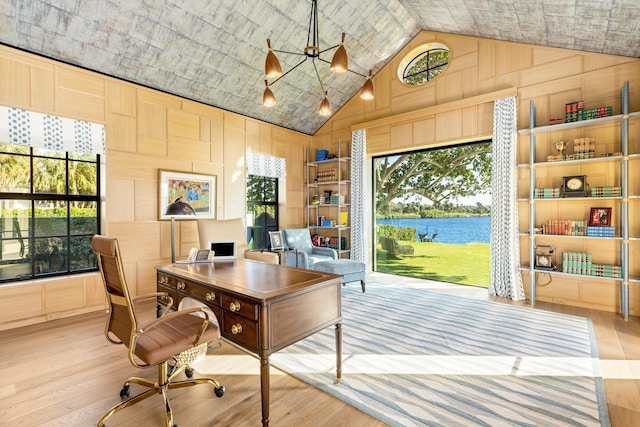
460, 230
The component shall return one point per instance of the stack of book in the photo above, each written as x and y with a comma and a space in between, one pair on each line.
596, 113
326, 175
576, 263
605, 270
601, 231
546, 193
584, 148
338, 244
606, 191
567, 227
337, 199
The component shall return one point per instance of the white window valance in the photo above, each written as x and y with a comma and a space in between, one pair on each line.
50, 132
265, 165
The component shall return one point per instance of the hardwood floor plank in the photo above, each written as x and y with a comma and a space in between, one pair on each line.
65, 373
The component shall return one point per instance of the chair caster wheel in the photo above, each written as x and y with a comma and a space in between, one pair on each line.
219, 391
188, 372
126, 390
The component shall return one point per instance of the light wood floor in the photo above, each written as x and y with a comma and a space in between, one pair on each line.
64, 373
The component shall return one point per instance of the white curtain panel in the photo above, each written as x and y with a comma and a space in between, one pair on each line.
506, 280
265, 165
49, 132
358, 203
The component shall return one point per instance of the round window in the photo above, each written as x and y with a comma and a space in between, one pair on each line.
423, 64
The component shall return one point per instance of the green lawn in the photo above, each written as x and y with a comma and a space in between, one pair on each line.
463, 264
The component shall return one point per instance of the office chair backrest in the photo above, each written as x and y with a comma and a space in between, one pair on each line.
122, 321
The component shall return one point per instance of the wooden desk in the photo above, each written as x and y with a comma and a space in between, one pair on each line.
260, 307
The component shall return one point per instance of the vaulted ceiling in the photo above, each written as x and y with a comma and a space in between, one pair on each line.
214, 51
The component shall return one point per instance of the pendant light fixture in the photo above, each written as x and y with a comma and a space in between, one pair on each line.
339, 64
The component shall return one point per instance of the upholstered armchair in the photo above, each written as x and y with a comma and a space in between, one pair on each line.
232, 229
299, 239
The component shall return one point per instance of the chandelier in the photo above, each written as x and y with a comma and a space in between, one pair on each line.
339, 64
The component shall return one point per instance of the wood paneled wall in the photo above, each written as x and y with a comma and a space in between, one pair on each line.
146, 131
458, 107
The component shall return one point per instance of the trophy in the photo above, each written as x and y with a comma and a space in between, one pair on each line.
561, 145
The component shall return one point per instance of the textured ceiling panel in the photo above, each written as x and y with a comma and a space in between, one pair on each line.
214, 52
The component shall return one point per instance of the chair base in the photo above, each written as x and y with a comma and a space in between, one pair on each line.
164, 383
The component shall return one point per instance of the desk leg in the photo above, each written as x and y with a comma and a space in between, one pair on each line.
338, 353
264, 389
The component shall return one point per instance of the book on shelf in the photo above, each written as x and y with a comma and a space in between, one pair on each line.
577, 263
606, 191
601, 231
547, 193
606, 270
569, 227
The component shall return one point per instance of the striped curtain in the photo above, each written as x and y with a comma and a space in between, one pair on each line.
358, 196
265, 165
48, 132
506, 280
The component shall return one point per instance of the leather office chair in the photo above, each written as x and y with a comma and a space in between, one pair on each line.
300, 240
151, 341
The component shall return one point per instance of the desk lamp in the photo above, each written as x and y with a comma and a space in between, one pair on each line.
177, 208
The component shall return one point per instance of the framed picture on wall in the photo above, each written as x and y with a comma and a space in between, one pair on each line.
600, 217
199, 191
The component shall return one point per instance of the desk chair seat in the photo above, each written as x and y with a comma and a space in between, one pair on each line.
151, 341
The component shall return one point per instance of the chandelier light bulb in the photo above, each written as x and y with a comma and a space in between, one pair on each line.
272, 68
325, 107
367, 91
268, 98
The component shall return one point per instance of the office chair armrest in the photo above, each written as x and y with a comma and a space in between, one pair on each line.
168, 301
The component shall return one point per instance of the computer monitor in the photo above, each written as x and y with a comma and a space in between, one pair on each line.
224, 249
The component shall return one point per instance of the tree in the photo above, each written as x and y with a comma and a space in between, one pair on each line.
440, 175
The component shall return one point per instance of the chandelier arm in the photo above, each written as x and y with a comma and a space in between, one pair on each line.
290, 53
348, 69
318, 75
328, 49
294, 67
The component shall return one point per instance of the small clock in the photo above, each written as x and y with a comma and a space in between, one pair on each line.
574, 186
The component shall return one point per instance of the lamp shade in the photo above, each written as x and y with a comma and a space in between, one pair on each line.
325, 107
268, 98
178, 207
340, 61
367, 91
272, 68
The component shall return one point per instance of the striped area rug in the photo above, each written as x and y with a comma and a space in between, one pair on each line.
413, 357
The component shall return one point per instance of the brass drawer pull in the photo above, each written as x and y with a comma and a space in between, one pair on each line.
234, 306
181, 285
236, 329
164, 280
210, 296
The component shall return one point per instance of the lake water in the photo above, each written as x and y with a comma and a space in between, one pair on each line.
450, 230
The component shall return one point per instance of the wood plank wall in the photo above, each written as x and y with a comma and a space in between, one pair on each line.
146, 131
458, 107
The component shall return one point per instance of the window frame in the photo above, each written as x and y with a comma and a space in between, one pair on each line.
272, 204
32, 198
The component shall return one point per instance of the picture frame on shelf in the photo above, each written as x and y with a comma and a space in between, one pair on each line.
198, 190
600, 217
275, 238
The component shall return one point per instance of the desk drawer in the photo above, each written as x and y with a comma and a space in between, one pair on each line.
240, 330
172, 293
240, 306
206, 295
